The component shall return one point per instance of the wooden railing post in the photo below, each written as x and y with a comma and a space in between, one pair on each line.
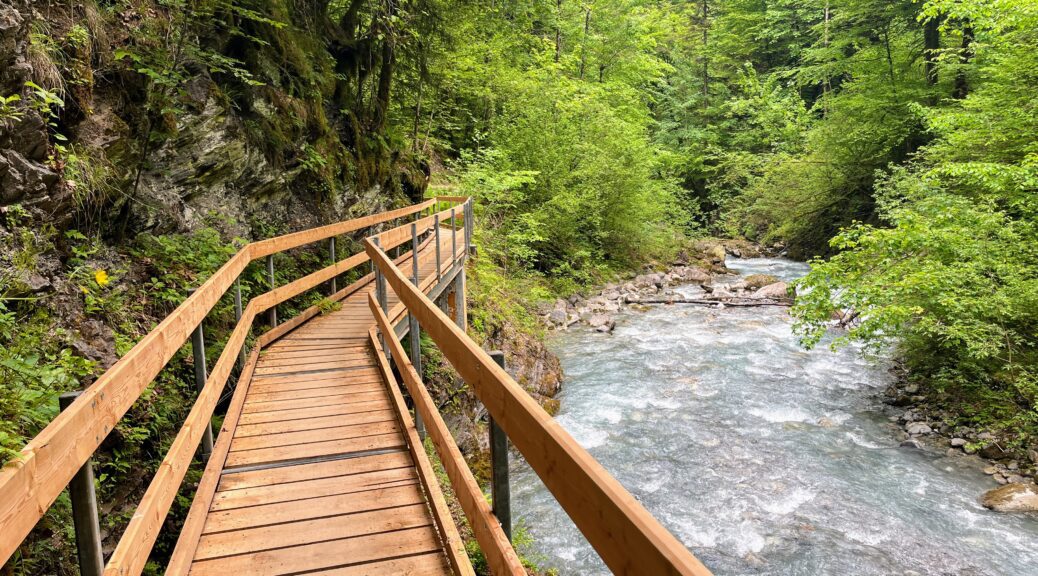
237, 318
201, 373
436, 227
335, 258
85, 521
270, 277
500, 491
414, 328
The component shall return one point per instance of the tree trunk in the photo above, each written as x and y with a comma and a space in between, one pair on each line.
558, 31
706, 59
583, 42
961, 89
931, 44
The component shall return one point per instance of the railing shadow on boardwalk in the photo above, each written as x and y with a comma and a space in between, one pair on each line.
382, 307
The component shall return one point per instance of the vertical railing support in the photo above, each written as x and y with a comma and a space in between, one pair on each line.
468, 226
201, 373
237, 318
270, 277
500, 491
335, 258
454, 240
383, 301
414, 328
436, 228
85, 522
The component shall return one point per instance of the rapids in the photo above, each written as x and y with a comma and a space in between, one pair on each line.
763, 458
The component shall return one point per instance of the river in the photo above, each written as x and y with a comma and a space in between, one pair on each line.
763, 458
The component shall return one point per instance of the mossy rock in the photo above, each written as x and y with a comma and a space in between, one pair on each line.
757, 281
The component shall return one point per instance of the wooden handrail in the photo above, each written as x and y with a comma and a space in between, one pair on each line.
618, 527
30, 483
492, 540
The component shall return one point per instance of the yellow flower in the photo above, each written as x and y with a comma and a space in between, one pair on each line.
101, 277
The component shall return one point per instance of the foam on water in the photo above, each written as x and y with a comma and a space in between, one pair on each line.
713, 420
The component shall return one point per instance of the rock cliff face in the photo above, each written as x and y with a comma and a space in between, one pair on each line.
134, 151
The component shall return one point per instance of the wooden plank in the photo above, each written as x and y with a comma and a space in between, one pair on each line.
619, 528
303, 413
343, 382
184, 551
500, 555
318, 392
307, 436
346, 375
312, 471
311, 531
314, 449
430, 564
337, 398
324, 554
280, 512
306, 489
329, 378
334, 351
295, 365
286, 426
452, 543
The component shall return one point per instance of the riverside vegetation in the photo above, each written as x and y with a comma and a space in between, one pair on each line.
140, 139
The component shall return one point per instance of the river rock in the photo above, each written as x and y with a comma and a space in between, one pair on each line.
911, 443
918, 428
1012, 498
557, 317
758, 281
597, 320
957, 442
778, 290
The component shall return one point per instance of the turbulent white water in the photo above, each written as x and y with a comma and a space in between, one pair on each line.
713, 419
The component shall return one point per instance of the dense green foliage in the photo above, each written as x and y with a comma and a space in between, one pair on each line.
952, 269
899, 139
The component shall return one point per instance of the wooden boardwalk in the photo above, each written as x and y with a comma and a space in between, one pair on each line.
318, 467
318, 476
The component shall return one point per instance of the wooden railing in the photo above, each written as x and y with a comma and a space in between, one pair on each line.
30, 483
624, 534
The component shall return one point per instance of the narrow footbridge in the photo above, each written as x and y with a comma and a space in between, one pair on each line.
319, 466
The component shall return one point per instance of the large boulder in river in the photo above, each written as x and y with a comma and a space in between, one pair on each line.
776, 291
1012, 498
758, 281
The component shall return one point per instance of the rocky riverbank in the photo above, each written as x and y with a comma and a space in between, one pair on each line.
1014, 470
703, 264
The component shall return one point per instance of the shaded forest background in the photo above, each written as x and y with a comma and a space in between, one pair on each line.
142, 140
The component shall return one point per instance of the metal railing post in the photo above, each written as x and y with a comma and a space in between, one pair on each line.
468, 227
454, 239
85, 522
201, 373
270, 277
500, 491
383, 301
237, 318
415, 329
436, 227
331, 249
